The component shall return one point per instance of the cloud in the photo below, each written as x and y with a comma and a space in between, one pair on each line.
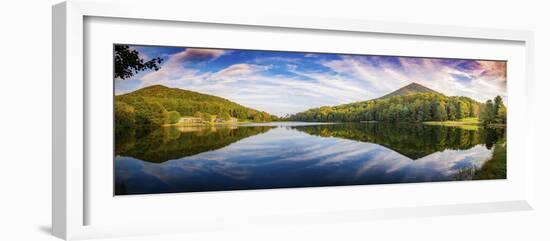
480, 80
346, 159
263, 60
285, 83
191, 54
174, 65
495, 70
237, 71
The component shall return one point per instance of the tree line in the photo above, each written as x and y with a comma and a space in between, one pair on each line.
494, 112
408, 108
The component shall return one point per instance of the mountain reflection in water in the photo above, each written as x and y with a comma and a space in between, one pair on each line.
284, 155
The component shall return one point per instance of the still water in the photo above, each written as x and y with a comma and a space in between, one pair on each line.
294, 154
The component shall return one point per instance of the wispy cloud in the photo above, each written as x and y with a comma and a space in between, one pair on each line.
238, 72
285, 82
480, 80
175, 64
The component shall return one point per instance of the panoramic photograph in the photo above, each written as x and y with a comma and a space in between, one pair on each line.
190, 119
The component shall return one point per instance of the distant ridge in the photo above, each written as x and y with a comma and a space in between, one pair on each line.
412, 88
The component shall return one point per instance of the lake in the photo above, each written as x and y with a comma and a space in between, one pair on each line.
298, 154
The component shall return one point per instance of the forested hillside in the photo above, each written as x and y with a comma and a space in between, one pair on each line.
412, 103
408, 108
156, 105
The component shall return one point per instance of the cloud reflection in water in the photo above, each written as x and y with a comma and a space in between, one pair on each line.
286, 157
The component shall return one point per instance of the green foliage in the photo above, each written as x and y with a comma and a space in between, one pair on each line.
198, 114
493, 112
225, 116
207, 117
412, 103
151, 103
494, 168
261, 117
416, 107
138, 118
124, 118
173, 117
128, 62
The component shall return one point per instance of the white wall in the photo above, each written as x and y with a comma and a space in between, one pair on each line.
25, 105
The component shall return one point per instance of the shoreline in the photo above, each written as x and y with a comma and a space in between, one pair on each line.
207, 124
470, 123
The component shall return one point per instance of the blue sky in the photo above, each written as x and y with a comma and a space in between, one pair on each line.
288, 82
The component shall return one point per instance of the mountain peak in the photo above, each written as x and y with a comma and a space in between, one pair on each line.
412, 88
414, 84
157, 86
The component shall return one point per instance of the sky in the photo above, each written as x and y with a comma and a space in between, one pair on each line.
283, 83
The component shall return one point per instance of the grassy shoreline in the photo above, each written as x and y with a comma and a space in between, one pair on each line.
465, 123
468, 123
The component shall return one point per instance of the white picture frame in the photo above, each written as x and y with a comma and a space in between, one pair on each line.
71, 112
